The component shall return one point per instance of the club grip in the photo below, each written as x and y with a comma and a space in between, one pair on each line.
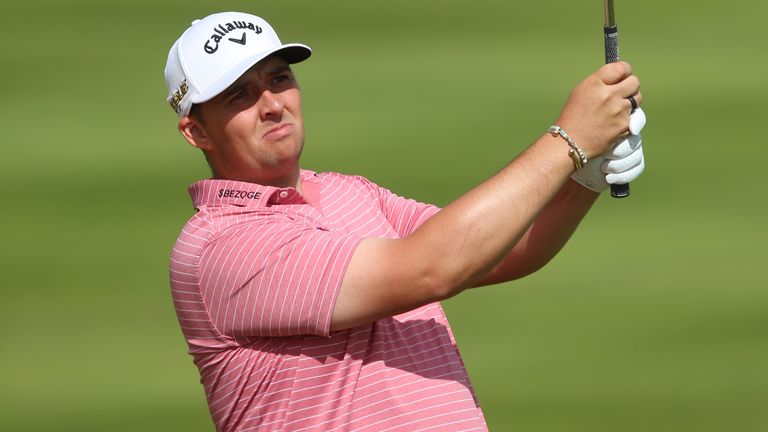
611, 44
612, 55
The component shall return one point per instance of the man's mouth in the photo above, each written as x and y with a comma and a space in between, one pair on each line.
278, 132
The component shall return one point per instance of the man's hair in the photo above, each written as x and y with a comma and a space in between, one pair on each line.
196, 112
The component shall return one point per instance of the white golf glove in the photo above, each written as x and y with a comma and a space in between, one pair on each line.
621, 164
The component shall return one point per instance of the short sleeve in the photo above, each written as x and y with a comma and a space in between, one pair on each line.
405, 214
278, 278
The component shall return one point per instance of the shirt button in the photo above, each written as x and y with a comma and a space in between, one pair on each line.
284, 194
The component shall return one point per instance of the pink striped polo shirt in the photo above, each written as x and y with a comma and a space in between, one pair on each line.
254, 279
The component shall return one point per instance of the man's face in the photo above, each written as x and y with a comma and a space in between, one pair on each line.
255, 127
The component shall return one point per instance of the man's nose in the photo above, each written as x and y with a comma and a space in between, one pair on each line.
270, 106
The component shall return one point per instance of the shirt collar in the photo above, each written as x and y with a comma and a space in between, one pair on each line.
212, 192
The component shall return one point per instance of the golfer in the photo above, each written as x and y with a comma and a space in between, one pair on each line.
311, 301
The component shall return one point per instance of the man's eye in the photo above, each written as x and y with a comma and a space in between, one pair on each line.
240, 95
280, 79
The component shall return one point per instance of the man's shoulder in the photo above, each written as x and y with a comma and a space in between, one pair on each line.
209, 223
337, 177
196, 231
331, 180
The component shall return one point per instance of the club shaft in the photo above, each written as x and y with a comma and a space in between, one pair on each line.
611, 33
610, 18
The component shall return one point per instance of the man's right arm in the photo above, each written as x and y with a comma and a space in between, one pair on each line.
461, 244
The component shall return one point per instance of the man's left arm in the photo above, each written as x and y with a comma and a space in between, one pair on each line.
546, 236
558, 220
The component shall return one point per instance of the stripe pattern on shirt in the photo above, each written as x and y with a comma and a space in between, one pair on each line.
254, 277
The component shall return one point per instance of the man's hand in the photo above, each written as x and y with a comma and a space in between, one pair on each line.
622, 163
597, 112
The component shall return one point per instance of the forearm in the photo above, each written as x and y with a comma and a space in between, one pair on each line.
472, 235
546, 236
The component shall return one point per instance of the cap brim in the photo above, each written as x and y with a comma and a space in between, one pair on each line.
292, 53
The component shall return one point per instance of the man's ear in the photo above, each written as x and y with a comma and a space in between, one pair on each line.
194, 132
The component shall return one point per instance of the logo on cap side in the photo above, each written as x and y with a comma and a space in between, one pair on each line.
178, 95
212, 44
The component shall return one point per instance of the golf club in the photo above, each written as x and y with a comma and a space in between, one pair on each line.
611, 33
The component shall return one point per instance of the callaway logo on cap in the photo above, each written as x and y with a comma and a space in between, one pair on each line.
215, 51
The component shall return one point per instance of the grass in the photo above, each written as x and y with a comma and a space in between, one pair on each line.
653, 317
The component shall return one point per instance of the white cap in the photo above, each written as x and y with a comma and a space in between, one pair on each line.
215, 51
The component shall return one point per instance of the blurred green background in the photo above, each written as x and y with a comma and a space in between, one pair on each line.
654, 317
